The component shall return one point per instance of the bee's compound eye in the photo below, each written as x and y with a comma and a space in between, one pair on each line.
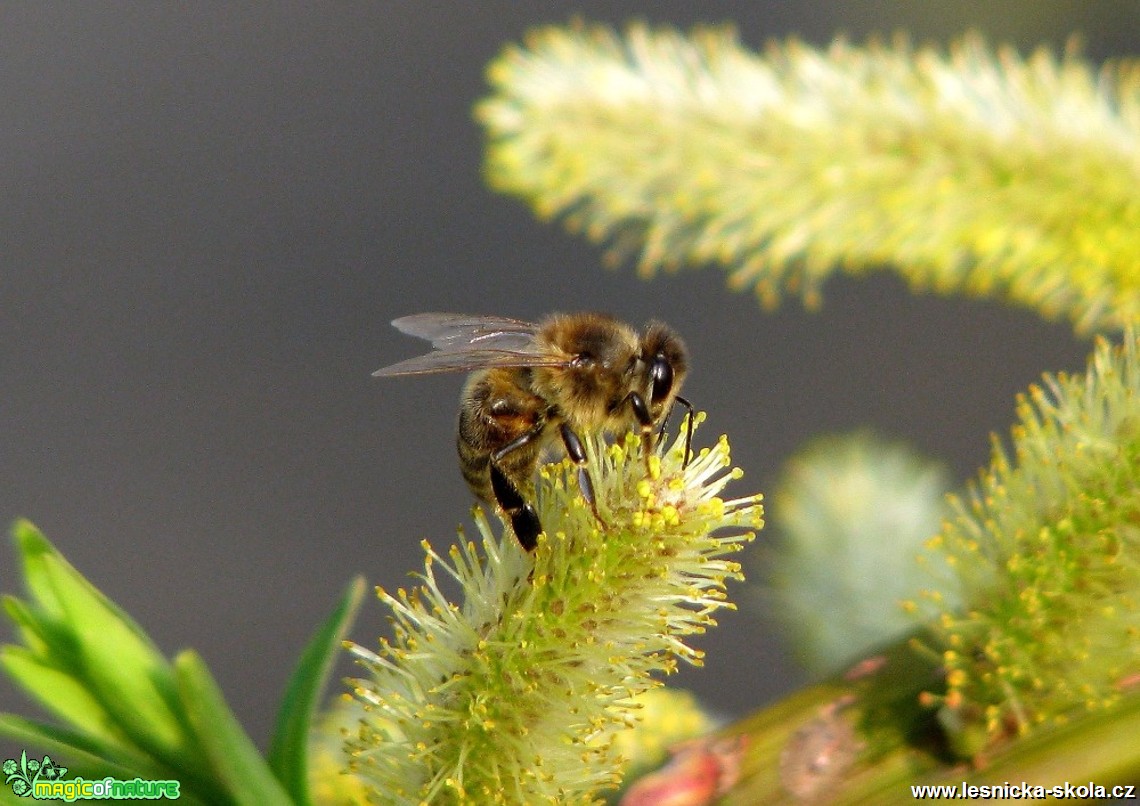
661, 376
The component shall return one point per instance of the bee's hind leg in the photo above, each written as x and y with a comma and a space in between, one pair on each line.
577, 454
524, 520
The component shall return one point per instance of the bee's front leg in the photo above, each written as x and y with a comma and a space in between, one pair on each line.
644, 423
577, 454
688, 428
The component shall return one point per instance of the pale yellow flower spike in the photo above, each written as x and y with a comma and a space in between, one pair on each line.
969, 172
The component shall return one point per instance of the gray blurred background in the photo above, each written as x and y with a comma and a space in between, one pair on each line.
210, 213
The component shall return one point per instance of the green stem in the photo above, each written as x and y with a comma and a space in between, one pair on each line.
899, 744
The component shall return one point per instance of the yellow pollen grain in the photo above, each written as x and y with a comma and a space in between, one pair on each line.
711, 508
654, 467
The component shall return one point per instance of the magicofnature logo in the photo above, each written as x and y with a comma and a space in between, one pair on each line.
44, 780
22, 775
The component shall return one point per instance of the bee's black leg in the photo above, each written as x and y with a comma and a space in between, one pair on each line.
518, 442
688, 429
644, 422
524, 520
577, 454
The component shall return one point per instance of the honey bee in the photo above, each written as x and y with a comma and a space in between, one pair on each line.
532, 384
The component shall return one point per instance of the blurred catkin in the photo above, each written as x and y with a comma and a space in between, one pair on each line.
969, 172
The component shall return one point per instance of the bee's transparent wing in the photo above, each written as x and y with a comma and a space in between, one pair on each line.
467, 361
459, 331
465, 343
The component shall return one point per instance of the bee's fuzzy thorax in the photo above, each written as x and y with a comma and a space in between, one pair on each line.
603, 352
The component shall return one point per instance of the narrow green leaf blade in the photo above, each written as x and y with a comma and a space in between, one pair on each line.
28, 623
61, 694
82, 756
235, 760
112, 656
288, 752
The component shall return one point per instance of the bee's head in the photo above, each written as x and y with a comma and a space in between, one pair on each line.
667, 361
616, 375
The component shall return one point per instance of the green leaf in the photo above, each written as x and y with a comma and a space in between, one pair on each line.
85, 758
288, 752
79, 753
27, 623
9, 798
112, 656
234, 759
60, 693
